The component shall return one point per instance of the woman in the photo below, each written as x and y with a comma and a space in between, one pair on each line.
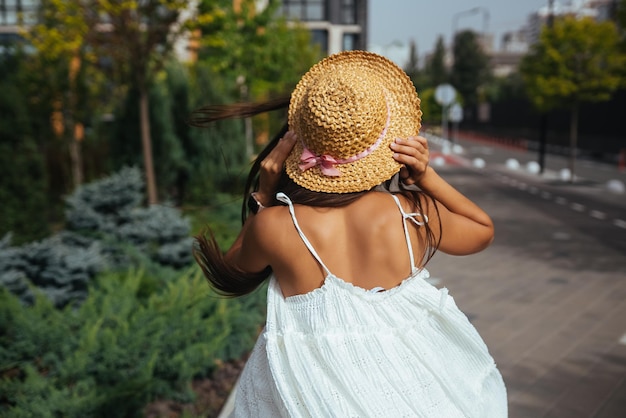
353, 328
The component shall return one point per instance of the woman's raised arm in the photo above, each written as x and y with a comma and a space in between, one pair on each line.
466, 228
245, 253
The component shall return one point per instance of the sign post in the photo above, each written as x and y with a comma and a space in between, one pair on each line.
444, 95
455, 116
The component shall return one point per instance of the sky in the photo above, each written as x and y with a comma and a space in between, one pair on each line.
393, 23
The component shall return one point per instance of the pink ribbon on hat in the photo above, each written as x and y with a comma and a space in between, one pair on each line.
327, 162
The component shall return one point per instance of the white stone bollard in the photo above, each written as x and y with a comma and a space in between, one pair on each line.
616, 186
533, 167
478, 163
512, 164
565, 174
439, 161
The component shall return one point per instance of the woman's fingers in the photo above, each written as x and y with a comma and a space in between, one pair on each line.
283, 148
413, 153
405, 176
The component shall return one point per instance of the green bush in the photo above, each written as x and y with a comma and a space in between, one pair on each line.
118, 350
111, 207
60, 266
107, 229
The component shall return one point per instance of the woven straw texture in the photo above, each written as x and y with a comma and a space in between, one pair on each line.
340, 108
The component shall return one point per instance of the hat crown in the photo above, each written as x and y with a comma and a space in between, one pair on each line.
346, 110
342, 114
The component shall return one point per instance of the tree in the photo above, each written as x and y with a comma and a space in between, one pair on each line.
167, 153
255, 50
436, 71
576, 61
215, 154
138, 37
470, 69
258, 48
412, 67
25, 208
59, 38
620, 18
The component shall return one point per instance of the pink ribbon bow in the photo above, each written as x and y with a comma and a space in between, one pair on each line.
325, 162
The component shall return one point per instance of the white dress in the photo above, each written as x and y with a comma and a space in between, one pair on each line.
343, 351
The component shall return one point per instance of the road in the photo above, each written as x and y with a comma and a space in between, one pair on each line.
549, 295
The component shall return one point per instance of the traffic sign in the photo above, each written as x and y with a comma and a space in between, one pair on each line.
445, 94
456, 113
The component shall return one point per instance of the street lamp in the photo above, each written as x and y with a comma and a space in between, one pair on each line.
393, 44
471, 11
388, 51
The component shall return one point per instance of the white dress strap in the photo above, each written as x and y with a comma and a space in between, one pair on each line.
412, 217
285, 199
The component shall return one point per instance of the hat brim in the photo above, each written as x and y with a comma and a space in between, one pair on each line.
379, 166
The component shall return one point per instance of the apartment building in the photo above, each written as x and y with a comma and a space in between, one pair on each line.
336, 25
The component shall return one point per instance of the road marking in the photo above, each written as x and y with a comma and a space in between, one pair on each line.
561, 236
546, 195
522, 186
561, 200
623, 340
597, 214
533, 190
578, 207
619, 223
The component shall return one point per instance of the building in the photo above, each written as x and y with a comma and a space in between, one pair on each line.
517, 43
514, 45
14, 13
598, 9
336, 25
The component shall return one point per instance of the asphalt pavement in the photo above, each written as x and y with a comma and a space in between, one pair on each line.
549, 295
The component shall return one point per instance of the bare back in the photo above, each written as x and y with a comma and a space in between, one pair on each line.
363, 243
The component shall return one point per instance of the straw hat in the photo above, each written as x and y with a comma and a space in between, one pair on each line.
346, 111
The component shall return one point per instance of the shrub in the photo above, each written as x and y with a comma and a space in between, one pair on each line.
111, 208
106, 229
118, 351
60, 266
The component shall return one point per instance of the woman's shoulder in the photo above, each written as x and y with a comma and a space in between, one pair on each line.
271, 218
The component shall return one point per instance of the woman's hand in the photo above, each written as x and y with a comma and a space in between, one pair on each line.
272, 166
468, 229
413, 153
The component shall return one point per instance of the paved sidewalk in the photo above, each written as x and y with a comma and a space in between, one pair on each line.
549, 301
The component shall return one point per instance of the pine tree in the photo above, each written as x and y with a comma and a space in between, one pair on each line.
23, 184
436, 70
471, 67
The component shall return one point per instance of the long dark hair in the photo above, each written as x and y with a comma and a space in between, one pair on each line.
230, 280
